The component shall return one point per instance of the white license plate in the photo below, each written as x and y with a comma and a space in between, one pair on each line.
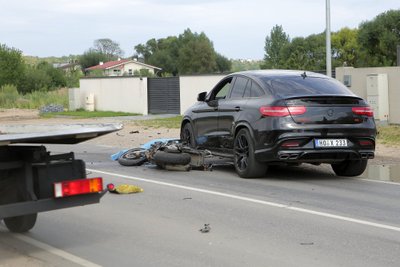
330, 142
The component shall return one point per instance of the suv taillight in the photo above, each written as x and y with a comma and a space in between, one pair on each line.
281, 111
366, 111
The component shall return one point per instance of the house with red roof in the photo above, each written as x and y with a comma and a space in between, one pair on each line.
123, 67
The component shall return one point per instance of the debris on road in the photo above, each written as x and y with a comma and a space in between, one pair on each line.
206, 228
124, 189
168, 154
307, 243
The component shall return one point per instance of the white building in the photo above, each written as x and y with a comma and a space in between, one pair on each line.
123, 67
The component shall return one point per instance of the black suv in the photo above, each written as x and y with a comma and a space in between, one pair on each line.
279, 117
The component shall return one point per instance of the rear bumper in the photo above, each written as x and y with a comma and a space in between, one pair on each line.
314, 156
21, 208
307, 152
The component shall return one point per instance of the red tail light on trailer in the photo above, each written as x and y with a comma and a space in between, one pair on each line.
78, 187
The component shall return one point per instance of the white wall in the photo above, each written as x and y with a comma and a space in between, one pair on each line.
359, 85
191, 86
127, 94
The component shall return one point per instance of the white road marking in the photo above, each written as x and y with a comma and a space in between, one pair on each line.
61, 253
377, 181
253, 200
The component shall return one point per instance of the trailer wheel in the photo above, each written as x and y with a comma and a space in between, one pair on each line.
20, 224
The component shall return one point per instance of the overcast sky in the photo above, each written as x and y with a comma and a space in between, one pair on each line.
237, 28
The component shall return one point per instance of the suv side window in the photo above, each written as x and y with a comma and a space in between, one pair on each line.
239, 87
256, 90
222, 90
247, 92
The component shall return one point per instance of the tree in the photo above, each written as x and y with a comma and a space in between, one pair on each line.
379, 39
196, 54
294, 54
223, 64
345, 47
164, 53
91, 58
274, 43
315, 45
57, 76
189, 53
11, 65
304, 53
109, 48
147, 50
34, 79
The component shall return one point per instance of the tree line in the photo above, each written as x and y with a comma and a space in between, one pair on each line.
187, 53
373, 44
25, 77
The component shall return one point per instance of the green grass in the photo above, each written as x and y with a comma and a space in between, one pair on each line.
10, 98
81, 114
170, 123
389, 135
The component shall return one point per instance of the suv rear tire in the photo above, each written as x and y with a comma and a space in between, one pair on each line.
350, 167
245, 162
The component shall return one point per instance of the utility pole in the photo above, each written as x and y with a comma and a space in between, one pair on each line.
328, 40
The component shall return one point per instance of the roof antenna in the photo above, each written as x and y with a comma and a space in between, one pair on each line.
304, 75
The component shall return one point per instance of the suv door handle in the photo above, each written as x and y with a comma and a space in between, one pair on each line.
237, 108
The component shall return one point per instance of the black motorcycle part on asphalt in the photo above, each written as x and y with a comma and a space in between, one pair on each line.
162, 158
132, 157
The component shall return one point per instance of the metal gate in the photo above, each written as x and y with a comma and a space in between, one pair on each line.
164, 95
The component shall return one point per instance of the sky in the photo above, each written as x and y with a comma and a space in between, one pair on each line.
237, 28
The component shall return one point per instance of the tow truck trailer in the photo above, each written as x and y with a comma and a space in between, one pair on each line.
32, 180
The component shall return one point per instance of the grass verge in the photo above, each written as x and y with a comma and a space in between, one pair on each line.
389, 135
10, 98
170, 123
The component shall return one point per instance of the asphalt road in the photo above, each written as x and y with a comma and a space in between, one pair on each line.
298, 216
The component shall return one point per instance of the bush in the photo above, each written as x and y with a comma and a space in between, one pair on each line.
34, 80
8, 96
39, 99
72, 78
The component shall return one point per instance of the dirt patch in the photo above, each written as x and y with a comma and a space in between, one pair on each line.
133, 135
18, 114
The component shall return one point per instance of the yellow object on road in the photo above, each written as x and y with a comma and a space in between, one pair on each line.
124, 189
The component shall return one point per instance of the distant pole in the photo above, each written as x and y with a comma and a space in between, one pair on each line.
328, 40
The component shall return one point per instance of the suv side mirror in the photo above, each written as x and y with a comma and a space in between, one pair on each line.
202, 96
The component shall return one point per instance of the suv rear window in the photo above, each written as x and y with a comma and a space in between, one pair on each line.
297, 86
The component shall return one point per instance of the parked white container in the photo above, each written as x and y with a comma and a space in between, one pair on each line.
89, 103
